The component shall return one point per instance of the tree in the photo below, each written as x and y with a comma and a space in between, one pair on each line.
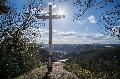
17, 55
4, 7
109, 20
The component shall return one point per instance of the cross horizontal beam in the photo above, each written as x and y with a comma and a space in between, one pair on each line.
42, 17
53, 17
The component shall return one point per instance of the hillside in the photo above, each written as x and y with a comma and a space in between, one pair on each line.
100, 63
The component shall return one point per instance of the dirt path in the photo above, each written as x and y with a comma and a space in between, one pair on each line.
58, 73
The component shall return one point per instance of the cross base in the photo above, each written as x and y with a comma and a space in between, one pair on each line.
49, 68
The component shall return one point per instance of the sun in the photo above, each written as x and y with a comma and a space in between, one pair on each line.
61, 12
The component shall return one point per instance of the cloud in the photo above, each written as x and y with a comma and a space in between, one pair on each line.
81, 39
95, 36
50, 3
84, 39
92, 36
92, 19
81, 22
69, 33
43, 9
72, 37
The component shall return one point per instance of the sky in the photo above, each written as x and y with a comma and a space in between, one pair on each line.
65, 30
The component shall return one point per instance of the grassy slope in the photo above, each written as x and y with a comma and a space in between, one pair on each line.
102, 63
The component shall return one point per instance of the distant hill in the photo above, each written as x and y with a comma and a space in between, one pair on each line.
81, 47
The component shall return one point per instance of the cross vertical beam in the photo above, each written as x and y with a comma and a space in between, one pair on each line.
50, 17
50, 36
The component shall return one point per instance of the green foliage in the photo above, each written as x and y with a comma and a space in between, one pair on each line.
3, 7
101, 63
18, 56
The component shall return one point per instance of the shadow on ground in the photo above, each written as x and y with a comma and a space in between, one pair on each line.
47, 75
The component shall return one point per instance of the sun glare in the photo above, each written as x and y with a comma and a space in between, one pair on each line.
61, 12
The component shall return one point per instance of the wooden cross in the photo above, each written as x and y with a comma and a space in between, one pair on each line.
50, 17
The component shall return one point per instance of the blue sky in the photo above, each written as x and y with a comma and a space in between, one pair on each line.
67, 31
